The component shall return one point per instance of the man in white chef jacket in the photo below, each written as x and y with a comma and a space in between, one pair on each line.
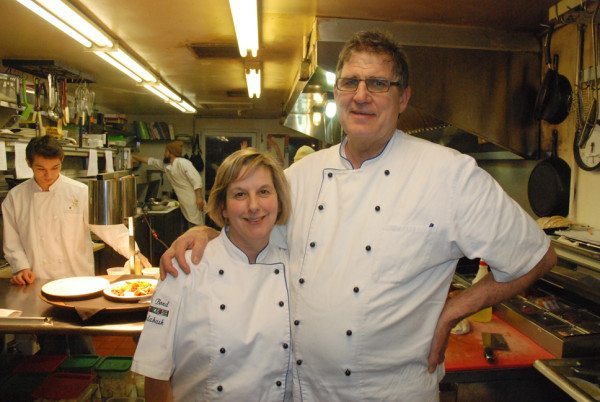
378, 225
46, 230
184, 178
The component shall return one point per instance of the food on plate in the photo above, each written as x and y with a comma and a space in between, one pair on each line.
133, 288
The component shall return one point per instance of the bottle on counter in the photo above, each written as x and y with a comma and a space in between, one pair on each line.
484, 315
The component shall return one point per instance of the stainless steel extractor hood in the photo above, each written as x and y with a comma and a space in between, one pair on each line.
474, 80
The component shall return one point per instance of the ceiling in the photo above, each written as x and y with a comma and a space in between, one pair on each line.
159, 32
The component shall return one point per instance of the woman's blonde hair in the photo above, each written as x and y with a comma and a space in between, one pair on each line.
247, 160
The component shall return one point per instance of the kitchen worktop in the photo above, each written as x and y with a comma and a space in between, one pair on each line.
40, 317
465, 352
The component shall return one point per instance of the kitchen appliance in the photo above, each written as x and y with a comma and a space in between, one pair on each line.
112, 199
561, 312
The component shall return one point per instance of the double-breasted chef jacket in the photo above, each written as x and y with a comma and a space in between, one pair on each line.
48, 231
184, 178
223, 332
372, 254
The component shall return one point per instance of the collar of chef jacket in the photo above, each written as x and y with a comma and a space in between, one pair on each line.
235, 251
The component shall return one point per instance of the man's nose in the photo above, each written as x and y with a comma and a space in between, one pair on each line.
362, 93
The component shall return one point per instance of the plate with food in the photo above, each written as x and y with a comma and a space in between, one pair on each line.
75, 287
131, 289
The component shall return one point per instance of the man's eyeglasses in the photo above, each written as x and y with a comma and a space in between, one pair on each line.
374, 85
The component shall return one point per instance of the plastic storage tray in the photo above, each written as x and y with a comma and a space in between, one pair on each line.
75, 387
80, 363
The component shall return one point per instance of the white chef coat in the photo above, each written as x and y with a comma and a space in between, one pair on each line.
48, 231
372, 254
223, 332
185, 179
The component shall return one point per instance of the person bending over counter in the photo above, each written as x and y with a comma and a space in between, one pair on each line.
184, 178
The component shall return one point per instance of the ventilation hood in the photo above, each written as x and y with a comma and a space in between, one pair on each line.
465, 81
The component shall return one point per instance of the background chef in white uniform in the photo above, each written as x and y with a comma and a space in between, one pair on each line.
226, 332
378, 225
184, 178
46, 230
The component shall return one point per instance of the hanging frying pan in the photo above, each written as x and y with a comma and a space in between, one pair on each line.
553, 101
549, 184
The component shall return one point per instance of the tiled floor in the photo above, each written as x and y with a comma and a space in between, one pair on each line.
114, 345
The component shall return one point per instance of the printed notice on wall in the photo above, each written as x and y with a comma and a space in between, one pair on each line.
3, 164
22, 170
93, 163
108, 156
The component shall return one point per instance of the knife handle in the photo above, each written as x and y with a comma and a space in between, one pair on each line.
488, 353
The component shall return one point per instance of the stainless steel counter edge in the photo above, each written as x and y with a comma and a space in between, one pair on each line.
562, 382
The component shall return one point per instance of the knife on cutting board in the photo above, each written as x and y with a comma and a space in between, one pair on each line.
491, 342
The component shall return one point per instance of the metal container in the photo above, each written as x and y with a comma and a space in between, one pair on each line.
105, 204
128, 196
111, 200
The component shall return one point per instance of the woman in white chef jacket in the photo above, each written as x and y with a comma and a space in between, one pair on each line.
224, 332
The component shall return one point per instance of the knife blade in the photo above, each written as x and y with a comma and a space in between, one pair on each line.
491, 342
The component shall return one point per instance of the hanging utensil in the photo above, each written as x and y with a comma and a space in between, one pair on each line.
28, 107
554, 99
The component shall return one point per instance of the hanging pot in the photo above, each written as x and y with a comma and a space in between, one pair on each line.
553, 101
549, 185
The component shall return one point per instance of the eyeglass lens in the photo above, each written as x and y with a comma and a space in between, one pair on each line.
373, 84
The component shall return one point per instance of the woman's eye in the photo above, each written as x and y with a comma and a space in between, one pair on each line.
239, 195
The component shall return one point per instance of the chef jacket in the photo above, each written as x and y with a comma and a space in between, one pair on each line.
223, 332
372, 255
48, 231
185, 179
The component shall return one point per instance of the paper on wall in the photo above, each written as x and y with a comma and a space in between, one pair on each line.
108, 155
23, 171
93, 163
3, 164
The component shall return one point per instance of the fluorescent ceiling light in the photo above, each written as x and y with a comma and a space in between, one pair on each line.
187, 106
152, 89
253, 82
56, 22
245, 21
133, 65
72, 18
172, 95
176, 105
117, 65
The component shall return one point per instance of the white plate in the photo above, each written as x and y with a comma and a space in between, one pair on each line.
129, 298
78, 286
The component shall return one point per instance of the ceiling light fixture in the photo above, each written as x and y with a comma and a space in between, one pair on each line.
131, 64
170, 94
74, 19
71, 21
245, 21
253, 82
56, 22
104, 56
152, 89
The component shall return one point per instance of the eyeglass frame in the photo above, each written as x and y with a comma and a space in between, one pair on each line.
391, 83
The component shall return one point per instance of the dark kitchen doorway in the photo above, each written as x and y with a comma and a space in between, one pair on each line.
218, 147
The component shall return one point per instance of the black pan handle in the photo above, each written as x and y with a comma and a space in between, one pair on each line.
547, 45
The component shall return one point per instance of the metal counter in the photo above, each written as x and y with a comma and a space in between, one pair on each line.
39, 317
